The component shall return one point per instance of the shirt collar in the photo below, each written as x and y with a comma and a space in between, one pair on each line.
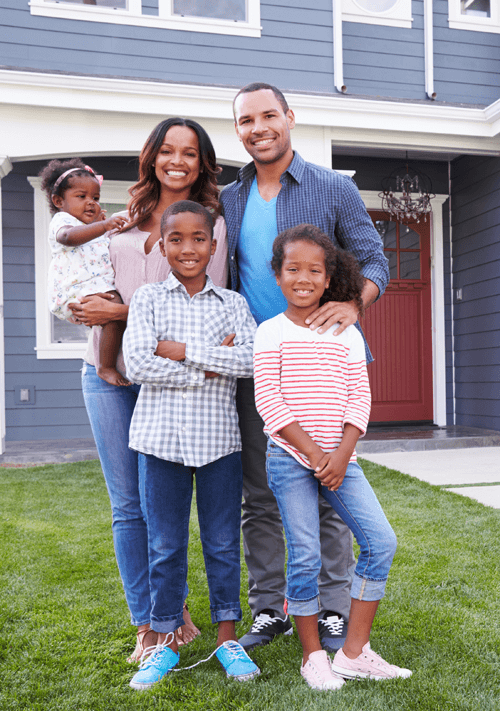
173, 284
296, 169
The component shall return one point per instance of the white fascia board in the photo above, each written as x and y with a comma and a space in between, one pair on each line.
459, 129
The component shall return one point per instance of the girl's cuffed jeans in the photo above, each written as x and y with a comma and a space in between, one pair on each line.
296, 490
167, 489
110, 411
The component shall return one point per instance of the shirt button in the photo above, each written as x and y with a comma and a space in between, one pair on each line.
195, 377
193, 335
184, 395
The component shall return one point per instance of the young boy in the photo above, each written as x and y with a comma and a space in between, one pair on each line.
186, 342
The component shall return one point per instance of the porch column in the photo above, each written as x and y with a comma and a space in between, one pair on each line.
5, 168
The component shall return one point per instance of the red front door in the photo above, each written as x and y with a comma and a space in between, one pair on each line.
398, 327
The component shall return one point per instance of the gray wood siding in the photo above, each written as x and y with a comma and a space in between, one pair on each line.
58, 411
295, 52
385, 61
476, 270
466, 63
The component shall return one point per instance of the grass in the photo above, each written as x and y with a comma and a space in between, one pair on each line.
64, 623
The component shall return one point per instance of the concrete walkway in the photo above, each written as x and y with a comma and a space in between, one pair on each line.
472, 471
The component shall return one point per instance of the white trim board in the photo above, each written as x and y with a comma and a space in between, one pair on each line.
372, 202
352, 121
5, 168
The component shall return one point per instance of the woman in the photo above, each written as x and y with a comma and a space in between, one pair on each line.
177, 163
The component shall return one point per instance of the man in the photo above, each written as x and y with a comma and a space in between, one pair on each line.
278, 190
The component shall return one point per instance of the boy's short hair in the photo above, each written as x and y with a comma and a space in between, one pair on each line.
259, 86
187, 206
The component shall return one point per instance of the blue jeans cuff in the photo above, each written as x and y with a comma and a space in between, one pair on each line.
303, 608
368, 590
232, 612
167, 624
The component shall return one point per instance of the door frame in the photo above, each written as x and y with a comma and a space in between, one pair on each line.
372, 202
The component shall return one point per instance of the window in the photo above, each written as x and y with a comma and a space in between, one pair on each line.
476, 15
477, 8
56, 338
234, 10
393, 13
230, 17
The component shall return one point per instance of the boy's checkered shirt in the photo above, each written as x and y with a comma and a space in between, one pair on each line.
180, 415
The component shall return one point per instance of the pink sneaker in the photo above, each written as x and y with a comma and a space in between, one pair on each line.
367, 666
317, 671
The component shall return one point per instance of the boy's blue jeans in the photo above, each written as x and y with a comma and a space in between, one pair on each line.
296, 490
167, 489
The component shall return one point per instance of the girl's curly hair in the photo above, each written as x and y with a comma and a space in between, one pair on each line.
146, 192
346, 280
53, 171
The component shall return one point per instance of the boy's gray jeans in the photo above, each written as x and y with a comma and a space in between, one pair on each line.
263, 541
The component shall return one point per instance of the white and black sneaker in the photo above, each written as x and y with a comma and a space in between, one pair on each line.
332, 628
265, 627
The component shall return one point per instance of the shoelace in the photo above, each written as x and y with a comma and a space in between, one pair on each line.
261, 621
333, 623
234, 650
150, 654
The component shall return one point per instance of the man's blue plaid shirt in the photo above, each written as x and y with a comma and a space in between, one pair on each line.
317, 196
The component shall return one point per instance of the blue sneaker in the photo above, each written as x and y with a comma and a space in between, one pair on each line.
236, 661
154, 668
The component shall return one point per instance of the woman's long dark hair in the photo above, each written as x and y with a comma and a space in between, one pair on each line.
146, 192
346, 280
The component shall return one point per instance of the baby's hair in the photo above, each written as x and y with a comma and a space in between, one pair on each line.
346, 280
54, 170
187, 206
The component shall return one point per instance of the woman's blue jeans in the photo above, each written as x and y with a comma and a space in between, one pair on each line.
167, 492
296, 490
110, 411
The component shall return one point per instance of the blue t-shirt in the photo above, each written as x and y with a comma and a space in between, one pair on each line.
258, 285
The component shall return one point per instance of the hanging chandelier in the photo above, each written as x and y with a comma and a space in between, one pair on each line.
408, 197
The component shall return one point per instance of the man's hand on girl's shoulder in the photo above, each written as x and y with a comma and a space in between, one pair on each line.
344, 313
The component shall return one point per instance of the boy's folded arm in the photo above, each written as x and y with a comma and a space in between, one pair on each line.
139, 346
235, 361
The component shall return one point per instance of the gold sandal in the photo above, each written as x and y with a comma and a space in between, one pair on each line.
140, 646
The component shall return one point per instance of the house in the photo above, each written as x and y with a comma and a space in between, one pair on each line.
370, 81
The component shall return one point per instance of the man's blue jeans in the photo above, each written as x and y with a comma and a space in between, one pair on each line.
167, 489
296, 490
110, 411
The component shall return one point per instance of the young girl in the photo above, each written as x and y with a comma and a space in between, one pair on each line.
80, 263
313, 394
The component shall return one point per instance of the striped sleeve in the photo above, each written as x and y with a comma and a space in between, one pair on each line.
267, 366
357, 411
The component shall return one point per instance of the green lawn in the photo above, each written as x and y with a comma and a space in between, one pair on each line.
65, 632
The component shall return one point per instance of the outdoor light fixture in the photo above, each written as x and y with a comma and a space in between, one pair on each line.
409, 197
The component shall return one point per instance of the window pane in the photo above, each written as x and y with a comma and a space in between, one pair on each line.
376, 5
408, 238
393, 264
100, 3
409, 265
220, 9
65, 332
387, 230
479, 8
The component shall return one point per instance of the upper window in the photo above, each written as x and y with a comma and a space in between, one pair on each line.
478, 15
230, 17
394, 13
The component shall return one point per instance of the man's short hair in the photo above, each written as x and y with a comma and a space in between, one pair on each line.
187, 206
259, 86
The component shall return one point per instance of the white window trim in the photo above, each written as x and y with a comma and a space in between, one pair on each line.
397, 16
165, 19
112, 191
457, 21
